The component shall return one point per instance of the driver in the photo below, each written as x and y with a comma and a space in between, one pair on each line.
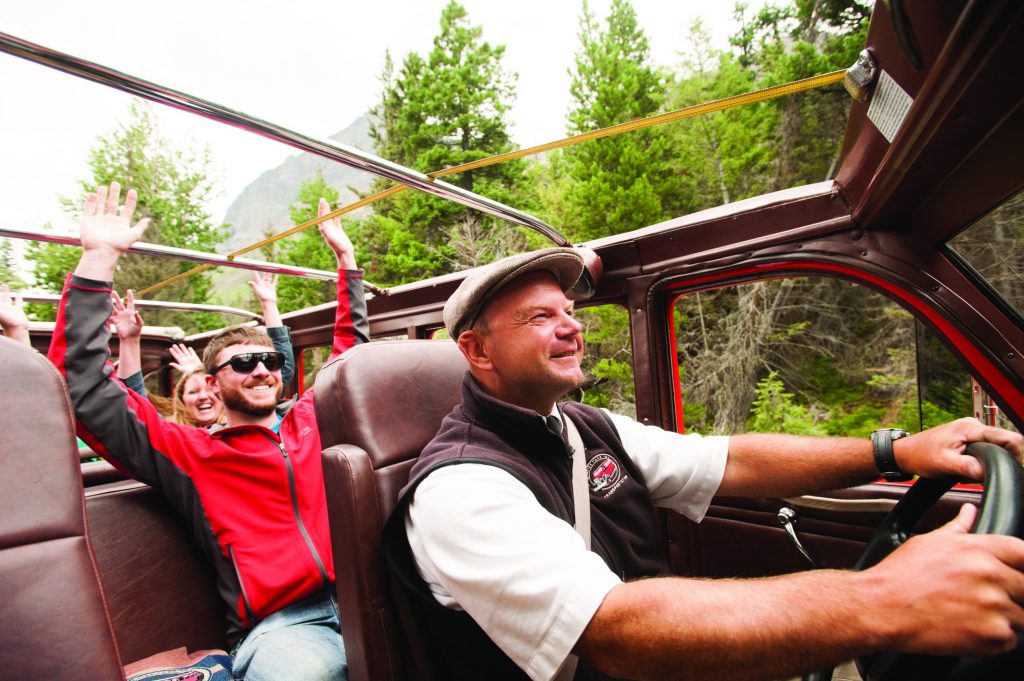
483, 535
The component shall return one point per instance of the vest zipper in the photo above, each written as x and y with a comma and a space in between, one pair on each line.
298, 517
241, 585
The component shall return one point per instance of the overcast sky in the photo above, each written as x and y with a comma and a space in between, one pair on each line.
309, 65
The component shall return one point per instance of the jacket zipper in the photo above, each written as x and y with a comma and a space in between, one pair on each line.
298, 517
241, 585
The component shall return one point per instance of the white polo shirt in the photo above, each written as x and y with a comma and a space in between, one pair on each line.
484, 544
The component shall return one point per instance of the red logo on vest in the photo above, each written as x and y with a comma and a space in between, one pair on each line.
603, 471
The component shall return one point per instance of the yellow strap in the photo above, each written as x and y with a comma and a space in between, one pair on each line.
659, 119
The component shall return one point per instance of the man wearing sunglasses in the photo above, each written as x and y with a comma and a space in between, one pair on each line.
253, 490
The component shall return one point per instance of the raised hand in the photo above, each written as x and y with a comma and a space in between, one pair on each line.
336, 238
12, 316
106, 231
126, 320
185, 358
264, 285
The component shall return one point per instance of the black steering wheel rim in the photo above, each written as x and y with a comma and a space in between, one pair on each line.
1001, 512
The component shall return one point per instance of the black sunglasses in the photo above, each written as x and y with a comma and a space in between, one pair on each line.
246, 362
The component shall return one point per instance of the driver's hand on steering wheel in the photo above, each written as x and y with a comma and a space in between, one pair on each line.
939, 451
949, 592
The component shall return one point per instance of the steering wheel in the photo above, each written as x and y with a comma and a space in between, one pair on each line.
1001, 512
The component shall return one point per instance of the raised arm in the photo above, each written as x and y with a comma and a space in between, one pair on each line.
128, 324
351, 325
12, 316
185, 358
119, 424
264, 286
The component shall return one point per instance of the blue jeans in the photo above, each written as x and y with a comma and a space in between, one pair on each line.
299, 643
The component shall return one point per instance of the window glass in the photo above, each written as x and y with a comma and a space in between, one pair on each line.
312, 359
994, 247
608, 360
815, 356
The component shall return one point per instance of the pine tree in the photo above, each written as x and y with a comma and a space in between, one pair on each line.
436, 112
618, 183
307, 249
173, 187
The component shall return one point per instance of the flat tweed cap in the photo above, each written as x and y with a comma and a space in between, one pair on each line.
465, 304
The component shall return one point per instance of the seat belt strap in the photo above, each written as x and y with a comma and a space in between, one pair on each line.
580, 489
581, 504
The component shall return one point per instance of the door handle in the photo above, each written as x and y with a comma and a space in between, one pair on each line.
787, 518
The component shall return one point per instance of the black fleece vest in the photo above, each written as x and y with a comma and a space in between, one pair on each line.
486, 430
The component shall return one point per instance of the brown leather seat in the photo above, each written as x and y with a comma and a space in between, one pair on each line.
377, 406
53, 618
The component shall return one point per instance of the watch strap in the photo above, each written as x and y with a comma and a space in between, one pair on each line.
885, 459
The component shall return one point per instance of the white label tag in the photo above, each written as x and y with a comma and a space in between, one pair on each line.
889, 106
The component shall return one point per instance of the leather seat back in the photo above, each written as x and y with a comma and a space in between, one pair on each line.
53, 618
377, 406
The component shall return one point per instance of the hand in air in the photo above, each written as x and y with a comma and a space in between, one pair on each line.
185, 358
12, 311
264, 285
126, 320
106, 225
336, 238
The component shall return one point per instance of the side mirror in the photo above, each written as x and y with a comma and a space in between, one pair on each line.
593, 270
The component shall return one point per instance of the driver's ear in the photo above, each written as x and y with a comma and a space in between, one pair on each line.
474, 346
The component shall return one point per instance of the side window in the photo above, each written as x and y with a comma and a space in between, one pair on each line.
311, 360
608, 361
994, 248
815, 356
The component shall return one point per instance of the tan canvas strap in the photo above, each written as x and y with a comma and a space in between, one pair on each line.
581, 504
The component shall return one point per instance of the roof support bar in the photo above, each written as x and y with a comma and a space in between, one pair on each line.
161, 251
336, 151
155, 305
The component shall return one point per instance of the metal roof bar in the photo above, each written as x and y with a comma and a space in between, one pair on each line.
161, 251
336, 151
154, 305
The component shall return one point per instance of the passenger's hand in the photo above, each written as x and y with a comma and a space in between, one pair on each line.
106, 231
939, 451
336, 238
185, 358
952, 593
12, 316
126, 320
264, 285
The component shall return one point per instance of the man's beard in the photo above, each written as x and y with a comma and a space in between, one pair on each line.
238, 402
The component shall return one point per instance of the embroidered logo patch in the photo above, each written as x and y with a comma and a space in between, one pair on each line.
603, 471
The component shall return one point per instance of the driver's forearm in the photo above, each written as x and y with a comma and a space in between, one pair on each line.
674, 628
778, 465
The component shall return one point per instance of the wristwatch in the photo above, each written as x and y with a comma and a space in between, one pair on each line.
885, 460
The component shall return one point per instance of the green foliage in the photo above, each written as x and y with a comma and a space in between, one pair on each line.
173, 190
608, 362
307, 249
9, 265
440, 111
617, 183
774, 410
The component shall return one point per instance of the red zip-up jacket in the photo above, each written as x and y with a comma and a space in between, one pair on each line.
255, 500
